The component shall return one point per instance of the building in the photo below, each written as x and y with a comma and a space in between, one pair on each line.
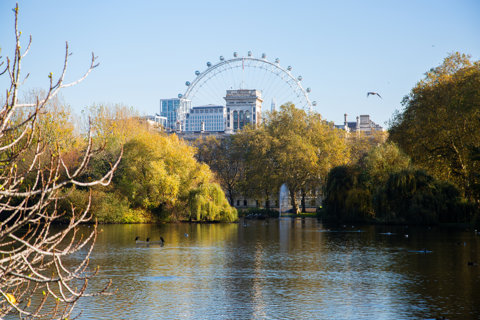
243, 107
363, 124
156, 120
173, 110
209, 118
168, 110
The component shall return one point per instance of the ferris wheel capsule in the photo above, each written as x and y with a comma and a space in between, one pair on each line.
264, 56
180, 96
235, 54
249, 53
289, 68
209, 64
277, 60
197, 73
299, 78
309, 90
222, 58
187, 83
314, 103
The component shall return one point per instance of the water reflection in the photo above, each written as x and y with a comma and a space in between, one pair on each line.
286, 269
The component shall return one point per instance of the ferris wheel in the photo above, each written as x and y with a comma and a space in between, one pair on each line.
277, 84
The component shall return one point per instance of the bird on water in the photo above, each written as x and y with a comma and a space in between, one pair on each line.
137, 240
160, 242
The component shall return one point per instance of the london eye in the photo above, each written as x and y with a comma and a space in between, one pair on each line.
277, 84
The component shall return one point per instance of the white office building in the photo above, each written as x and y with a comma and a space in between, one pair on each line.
209, 118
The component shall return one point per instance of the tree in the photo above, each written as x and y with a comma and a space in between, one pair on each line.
225, 159
33, 172
158, 179
440, 124
304, 148
380, 162
413, 196
360, 143
260, 175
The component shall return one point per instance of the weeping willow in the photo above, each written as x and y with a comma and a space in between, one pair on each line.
208, 203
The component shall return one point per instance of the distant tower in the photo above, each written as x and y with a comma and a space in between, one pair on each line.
273, 105
345, 123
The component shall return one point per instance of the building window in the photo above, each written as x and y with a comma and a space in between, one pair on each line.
247, 117
245, 203
238, 203
235, 120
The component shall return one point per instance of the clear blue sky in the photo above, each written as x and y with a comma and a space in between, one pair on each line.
148, 49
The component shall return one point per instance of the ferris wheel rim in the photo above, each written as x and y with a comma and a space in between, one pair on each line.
275, 64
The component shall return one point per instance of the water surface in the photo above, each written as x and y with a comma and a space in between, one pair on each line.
286, 269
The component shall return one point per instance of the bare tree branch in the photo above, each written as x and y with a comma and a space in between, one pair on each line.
35, 281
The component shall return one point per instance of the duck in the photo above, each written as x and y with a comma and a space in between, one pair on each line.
160, 242
137, 240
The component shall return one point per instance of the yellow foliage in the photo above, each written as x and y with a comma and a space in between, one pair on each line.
11, 298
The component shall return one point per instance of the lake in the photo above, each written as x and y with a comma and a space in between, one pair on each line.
286, 269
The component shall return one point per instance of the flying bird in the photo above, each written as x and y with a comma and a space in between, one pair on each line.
374, 93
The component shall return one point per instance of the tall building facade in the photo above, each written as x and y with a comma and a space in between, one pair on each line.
243, 107
169, 109
209, 118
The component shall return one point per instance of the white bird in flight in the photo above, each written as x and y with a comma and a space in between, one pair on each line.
374, 93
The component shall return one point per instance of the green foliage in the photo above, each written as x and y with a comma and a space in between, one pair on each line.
384, 188
381, 161
345, 199
208, 203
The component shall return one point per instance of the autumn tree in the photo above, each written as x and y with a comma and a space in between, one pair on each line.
158, 178
34, 280
439, 127
304, 148
261, 176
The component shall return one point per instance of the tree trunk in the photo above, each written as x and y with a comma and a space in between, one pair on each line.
267, 200
293, 201
304, 194
230, 197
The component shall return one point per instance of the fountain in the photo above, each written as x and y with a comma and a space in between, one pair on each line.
282, 199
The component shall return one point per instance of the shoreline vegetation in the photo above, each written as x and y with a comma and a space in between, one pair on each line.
379, 177
414, 174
